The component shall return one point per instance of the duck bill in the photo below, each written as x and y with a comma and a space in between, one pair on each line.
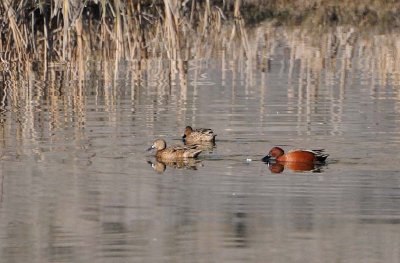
268, 159
151, 148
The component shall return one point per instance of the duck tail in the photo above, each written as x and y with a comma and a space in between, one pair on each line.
322, 157
194, 154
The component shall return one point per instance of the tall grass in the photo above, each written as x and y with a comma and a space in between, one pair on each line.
65, 30
62, 30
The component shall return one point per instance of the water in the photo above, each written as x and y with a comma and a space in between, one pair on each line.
77, 184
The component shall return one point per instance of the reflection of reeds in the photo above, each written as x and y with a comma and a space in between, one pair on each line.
167, 45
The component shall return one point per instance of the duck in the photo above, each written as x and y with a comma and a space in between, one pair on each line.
178, 152
199, 135
277, 154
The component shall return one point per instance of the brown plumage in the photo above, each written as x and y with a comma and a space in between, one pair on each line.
173, 153
301, 156
198, 135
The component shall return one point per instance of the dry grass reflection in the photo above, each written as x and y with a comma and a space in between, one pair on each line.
57, 95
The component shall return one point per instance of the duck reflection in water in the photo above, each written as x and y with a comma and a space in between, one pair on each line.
279, 167
160, 165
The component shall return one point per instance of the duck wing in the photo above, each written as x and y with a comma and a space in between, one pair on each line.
176, 148
319, 153
204, 131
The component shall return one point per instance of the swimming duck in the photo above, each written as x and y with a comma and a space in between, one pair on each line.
299, 156
173, 153
198, 135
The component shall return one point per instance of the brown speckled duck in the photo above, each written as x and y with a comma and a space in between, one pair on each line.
173, 153
200, 135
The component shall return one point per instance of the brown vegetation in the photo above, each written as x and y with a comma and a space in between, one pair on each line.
62, 30
65, 30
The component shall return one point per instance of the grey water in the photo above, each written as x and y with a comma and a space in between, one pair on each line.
77, 184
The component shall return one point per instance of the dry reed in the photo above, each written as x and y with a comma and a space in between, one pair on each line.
64, 30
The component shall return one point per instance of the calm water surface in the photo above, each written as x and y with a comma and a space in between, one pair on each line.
77, 185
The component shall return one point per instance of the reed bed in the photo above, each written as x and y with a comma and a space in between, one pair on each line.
64, 30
